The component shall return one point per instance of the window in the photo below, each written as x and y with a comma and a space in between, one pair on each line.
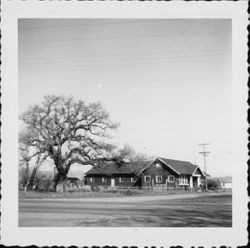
104, 179
133, 179
121, 180
147, 179
91, 179
158, 179
157, 165
171, 179
183, 180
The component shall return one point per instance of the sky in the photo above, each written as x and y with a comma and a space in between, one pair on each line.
166, 81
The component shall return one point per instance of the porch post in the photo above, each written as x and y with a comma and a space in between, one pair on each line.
198, 181
191, 181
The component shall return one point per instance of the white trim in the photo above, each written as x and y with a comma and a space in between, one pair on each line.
91, 179
172, 177
104, 180
112, 182
200, 170
184, 181
120, 180
146, 177
143, 169
169, 166
156, 179
133, 181
191, 182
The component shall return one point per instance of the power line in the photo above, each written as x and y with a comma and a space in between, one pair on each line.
216, 51
96, 59
136, 64
83, 24
89, 24
143, 82
119, 63
205, 154
122, 37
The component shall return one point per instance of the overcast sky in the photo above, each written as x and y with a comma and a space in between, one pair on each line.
168, 82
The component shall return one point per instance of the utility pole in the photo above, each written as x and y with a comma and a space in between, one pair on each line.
205, 154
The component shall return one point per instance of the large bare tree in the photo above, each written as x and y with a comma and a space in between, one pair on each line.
68, 131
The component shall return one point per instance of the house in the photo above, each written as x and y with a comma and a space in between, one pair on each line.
225, 182
171, 174
75, 177
163, 172
111, 174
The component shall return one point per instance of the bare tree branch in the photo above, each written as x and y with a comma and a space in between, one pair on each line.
68, 131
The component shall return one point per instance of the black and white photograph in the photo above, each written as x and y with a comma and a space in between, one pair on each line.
127, 122
126, 118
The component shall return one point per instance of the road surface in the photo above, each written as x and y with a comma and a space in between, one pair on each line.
190, 210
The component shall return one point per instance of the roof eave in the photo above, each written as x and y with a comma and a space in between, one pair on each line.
169, 166
144, 168
200, 170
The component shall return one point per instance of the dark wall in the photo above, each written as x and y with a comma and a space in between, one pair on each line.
97, 180
163, 171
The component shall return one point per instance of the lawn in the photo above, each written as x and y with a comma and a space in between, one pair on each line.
94, 194
204, 210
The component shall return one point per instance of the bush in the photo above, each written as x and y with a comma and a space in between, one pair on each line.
213, 184
95, 188
43, 183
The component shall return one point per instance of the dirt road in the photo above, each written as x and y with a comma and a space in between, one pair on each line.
163, 211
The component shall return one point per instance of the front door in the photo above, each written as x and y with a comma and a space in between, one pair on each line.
112, 182
195, 182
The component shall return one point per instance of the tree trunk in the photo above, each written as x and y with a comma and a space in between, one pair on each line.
61, 175
31, 180
60, 186
59, 182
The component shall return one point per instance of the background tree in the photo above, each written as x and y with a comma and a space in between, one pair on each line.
136, 160
67, 131
24, 162
28, 175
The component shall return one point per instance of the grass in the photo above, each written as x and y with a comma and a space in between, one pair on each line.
99, 194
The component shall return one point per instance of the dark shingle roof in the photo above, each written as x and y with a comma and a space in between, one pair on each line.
137, 166
182, 167
110, 168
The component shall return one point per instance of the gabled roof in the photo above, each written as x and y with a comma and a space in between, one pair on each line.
179, 167
183, 167
205, 174
110, 168
78, 170
137, 166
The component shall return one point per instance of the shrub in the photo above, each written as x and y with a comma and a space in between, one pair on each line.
213, 184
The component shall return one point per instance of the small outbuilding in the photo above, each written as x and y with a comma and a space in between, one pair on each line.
226, 182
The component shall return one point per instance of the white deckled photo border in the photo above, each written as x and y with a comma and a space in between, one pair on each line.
11, 234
